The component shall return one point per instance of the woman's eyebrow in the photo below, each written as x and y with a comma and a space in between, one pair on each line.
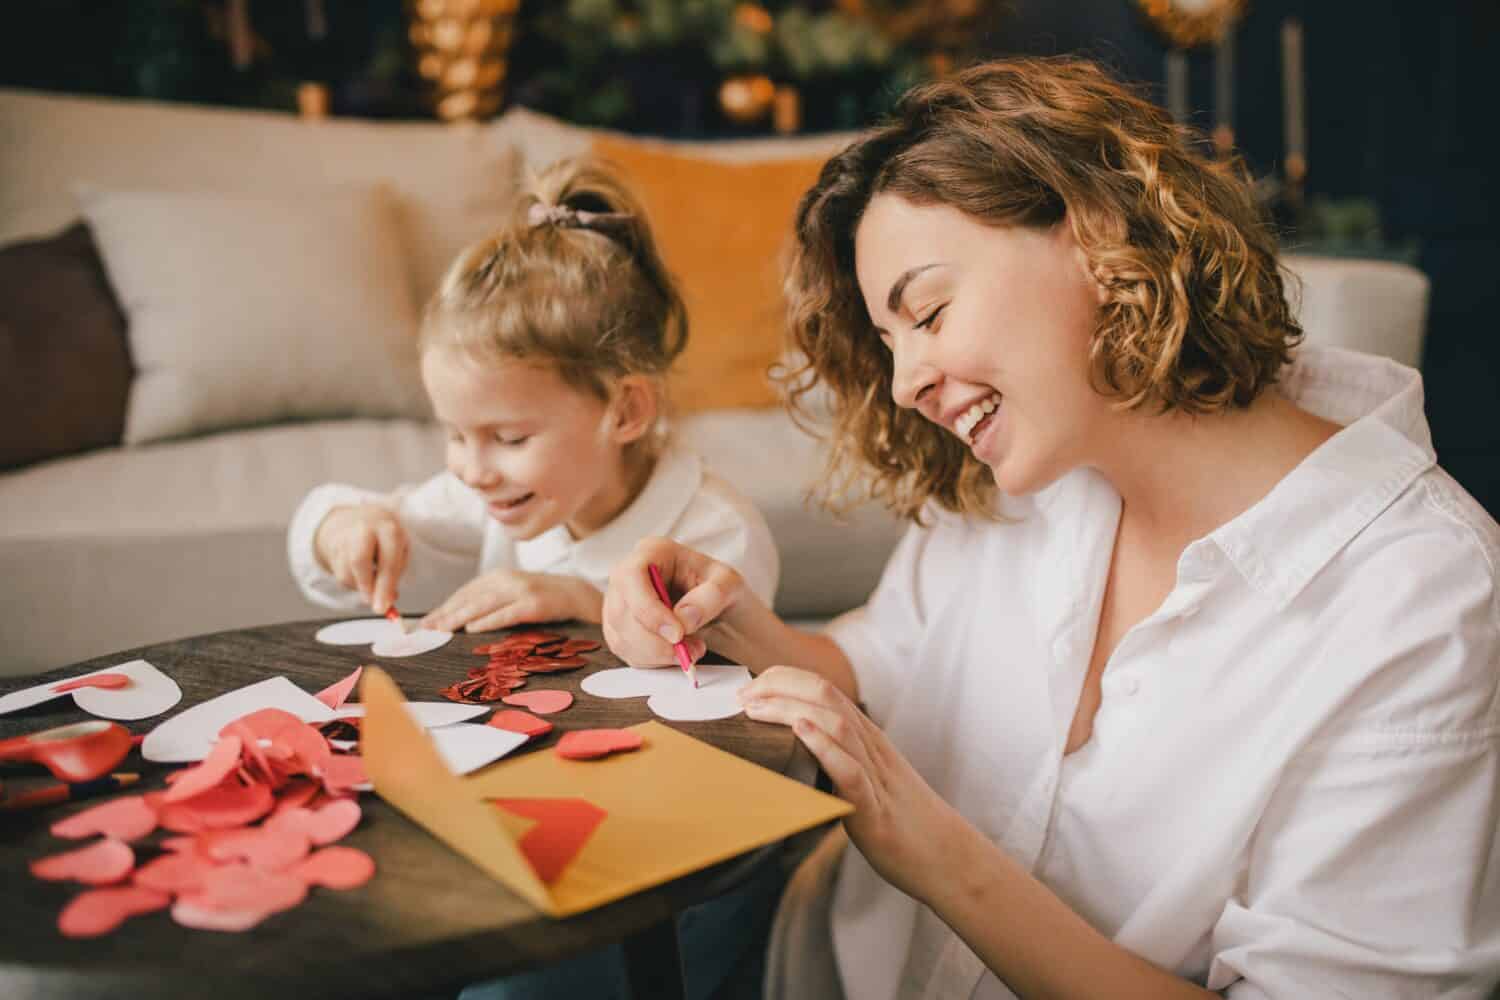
893, 301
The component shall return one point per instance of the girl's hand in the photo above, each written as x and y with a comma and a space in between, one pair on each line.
901, 826
504, 597
639, 628
365, 548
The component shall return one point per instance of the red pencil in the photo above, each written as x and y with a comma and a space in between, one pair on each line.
66, 793
679, 647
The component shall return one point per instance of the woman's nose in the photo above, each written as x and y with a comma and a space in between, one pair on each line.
912, 377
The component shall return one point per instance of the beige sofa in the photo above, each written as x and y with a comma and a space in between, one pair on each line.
139, 543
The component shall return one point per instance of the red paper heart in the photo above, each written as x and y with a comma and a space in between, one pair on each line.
100, 863
100, 911
221, 760
524, 723
323, 826
540, 702
336, 868
587, 744
563, 827
127, 818
108, 682
336, 694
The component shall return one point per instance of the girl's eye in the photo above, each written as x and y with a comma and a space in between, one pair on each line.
512, 441
927, 323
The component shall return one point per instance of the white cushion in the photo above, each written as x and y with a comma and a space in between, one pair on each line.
453, 186
246, 310
124, 547
1375, 306
541, 139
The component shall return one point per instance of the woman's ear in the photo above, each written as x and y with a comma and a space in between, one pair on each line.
633, 412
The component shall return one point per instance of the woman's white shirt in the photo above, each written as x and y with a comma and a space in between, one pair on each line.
453, 538
1291, 788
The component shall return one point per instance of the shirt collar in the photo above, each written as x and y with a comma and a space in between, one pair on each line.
1286, 538
674, 482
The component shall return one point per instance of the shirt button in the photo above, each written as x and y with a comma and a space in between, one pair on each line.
1129, 685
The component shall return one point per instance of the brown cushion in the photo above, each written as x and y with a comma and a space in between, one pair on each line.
721, 228
64, 364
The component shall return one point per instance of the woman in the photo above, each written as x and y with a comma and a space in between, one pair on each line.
1184, 678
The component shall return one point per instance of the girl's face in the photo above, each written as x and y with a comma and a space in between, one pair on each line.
989, 329
540, 451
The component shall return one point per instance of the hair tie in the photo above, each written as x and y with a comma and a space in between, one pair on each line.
563, 217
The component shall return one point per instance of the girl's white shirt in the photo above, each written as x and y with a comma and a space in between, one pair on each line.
1291, 788
453, 538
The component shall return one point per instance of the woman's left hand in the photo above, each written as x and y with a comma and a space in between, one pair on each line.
901, 826
503, 597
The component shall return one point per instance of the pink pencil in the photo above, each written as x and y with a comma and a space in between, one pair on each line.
680, 648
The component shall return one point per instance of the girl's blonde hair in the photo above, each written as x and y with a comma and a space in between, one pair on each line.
1194, 319
573, 280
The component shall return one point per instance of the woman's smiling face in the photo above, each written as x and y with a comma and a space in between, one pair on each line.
989, 329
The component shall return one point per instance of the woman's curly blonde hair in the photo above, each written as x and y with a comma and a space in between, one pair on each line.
1195, 318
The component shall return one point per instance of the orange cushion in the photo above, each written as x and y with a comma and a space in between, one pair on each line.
721, 228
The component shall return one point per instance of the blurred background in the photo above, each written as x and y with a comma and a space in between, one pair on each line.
1370, 125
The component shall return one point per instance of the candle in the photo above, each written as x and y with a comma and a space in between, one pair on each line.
1224, 80
1291, 89
1177, 85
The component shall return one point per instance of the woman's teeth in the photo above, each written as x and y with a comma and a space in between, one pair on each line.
971, 417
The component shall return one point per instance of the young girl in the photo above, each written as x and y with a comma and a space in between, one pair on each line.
544, 354
1184, 680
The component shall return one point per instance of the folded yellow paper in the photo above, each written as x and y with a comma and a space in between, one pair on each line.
676, 805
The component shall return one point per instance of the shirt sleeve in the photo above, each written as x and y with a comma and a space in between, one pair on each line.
882, 637
444, 521
1375, 869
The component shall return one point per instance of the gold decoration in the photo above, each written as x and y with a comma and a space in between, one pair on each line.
1187, 23
786, 110
312, 100
461, 48
746, 99
755, 17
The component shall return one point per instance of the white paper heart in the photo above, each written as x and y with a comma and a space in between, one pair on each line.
423, 640
469, 746
671, 695
190, 735
150, 692
360, 632
384, 637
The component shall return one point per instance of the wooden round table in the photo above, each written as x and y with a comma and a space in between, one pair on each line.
428, 922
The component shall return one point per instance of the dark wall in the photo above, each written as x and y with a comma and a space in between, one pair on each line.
1401, 108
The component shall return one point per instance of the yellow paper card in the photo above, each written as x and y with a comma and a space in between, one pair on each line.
674, 806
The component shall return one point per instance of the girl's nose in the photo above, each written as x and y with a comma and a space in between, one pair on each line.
475, 471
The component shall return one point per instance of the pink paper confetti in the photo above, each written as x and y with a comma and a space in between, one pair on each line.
100, 863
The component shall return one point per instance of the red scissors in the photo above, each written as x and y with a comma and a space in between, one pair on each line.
74, 753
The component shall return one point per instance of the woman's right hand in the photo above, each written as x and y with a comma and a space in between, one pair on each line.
639, 628
365, 548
